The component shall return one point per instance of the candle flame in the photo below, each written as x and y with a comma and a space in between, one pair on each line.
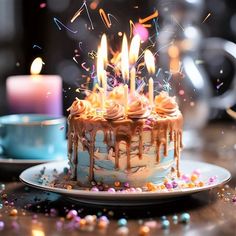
134, 49
150, 61
100, 65
36, 66
104, 49
125, 59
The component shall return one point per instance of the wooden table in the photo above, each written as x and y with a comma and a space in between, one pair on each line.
212, 212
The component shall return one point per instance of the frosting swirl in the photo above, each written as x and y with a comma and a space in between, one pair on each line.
165, 105
80, 108
94, 99
114, 111
138, 107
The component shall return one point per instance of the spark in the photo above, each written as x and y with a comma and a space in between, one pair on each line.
42, 5
84, 5
198, 62
84, 67
154, 15
177, 23
74, 59
36, 46
131, 26
219, 85
58, 23
166, 86
167, 45
106, 18
208, 15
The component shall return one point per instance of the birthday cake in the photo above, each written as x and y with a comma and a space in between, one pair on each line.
122, 136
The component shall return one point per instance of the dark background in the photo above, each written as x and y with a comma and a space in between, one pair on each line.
23, 24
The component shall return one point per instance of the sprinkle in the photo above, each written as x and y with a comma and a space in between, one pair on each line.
174, 184
42, 5
151, 224
111, 190
90, 220
175, 219
123, 230
126, 185
2, 225
194, 177
165, 224
53, 212
2, 186
212, 179
117, 184
122, 222
208, 15
82, 222
71, 214
163, 218
94, 189
144, 230
168, 185
13, 212
185, 218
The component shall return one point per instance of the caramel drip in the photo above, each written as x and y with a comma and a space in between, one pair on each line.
75, 156
140, 153
123, 130
117, 155
128, 156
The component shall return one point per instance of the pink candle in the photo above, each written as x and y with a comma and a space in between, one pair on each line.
40, 94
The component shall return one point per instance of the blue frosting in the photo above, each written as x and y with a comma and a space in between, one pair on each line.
141, 171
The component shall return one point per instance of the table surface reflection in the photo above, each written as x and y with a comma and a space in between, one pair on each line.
212, 212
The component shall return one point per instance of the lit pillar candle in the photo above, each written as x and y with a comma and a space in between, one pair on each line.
41, 94
150, 63
100, 76
105, 62
133, 56
126, 98
125, 60
125, 70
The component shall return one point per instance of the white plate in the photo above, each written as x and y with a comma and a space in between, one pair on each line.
30, 177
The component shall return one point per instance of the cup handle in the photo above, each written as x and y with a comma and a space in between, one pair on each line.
228, 48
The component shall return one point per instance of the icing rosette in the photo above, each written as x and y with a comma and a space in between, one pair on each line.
94, 99
117, 94
165, 105
114, 111
80, 108
138, 107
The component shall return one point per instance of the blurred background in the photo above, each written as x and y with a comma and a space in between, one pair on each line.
29, 29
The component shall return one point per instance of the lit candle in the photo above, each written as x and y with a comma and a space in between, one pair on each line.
150, 63
133, 56
100, 76
105, 61
126, 98
125, 60
35, 93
